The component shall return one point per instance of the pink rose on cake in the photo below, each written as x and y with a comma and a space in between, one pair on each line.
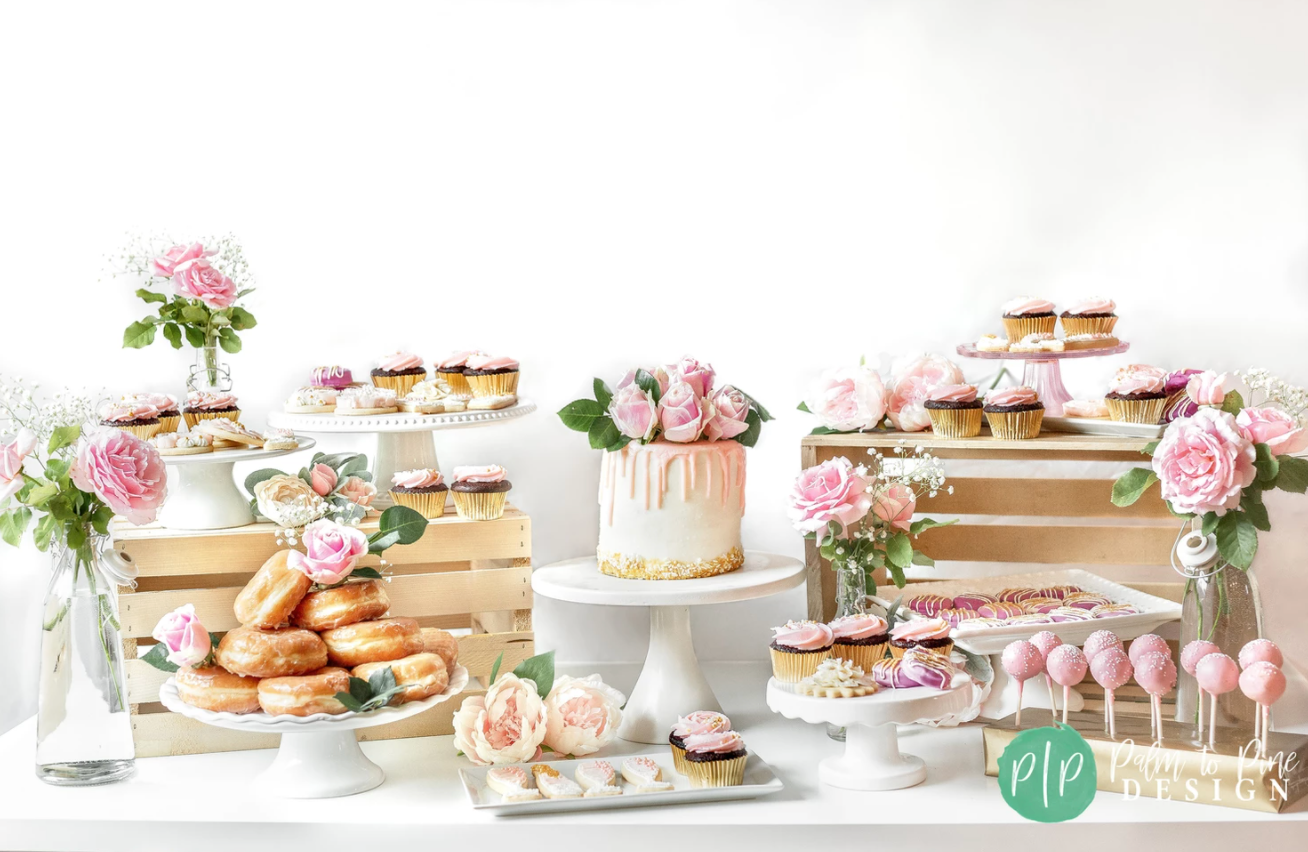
834, 490
682, 413
124, 471
582, 715
848, 399
1207, 388
506, 725
730, 413
660, 375
1282, 432
895, 505
1204, 463
634, 413
698, 376
198, 279
187, 641
913, 378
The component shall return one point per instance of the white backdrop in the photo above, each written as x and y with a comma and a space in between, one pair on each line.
772, 186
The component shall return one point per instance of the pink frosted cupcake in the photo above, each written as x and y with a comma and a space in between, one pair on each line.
954, 410
928, 634
170, 412
491, 375
451, 370
141, 419
1028, 315
716, 760
204, 405
480, 492
422, 490
861, 639
797, 648
696, 724
1014, 414
1137, 394
1090, 316
399, 372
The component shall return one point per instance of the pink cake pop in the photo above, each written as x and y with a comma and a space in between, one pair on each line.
1264, 683
1022, 661
1066, 665
1111, 668
1261, 651
1100, 641
1156, 673
1217, 675
1191, 654
1147, 644
1046, 641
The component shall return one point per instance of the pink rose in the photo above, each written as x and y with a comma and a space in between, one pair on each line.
660, 375
848, 399
582, 715
730, 408
698, 376
634, 414
358, 491
681, 413
506, 725
895, 506
1207, 388
1281, 431
331, 551
198, 279
124, 471
1204, 463
832, 491
913, 377
184, 636
166, 265
323, 479
12, 456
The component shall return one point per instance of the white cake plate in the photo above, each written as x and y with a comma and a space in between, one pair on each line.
202, 494
1041, 372
872, 760
671, 683
319, 756
403, 441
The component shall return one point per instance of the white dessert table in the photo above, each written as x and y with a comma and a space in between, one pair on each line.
671, 683
404, 441
202, 493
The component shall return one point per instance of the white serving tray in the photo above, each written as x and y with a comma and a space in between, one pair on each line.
760, 780
1101, 426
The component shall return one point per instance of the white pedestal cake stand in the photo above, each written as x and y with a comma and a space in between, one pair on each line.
403, 441
671, 683
1041, 372
202, 495
319, 756
872, 760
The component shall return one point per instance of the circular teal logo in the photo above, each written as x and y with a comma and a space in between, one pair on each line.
1048, 774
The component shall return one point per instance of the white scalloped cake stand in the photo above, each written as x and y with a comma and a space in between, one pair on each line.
1041, 372
319, 756
202, 495
872, 760
671, 683
403, 440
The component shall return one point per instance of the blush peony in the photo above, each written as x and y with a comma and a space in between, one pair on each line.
1282, 432
583, 715
912, 379
832, 491
1204, 463
124, 471
848, 399
506, 725
288, 501
358, 491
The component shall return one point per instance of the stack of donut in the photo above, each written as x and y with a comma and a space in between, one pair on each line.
295, 649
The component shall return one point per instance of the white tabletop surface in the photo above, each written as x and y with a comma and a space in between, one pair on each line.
201, 802
580, 581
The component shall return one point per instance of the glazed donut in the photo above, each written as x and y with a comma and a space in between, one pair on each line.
421, 675
372, 641
304, 695
216, 689
272, 594
442, 644
348, 604
271, 653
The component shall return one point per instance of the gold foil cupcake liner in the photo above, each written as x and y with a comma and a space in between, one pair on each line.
429, 504
168, 422
630, 567
494, 384
862, 656
144, 431
717, 773
943, 650
679, 759
400, 384
194, 417
955, 422
1018, 327
1088, 325
1149, 411
792, 667
1016, 425
479, 505
458, 383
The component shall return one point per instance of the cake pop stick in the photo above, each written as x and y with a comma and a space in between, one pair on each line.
1046, 641
1022, 661
1217, 674
1191, 654
1066, 665
1265, 684
1111, 669
1156, 673
1260, 650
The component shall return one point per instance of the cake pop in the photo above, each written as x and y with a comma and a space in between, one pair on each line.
1022, 661
1260, 650
1111, 668
1217, 675
1100, 641
1156, 673
1147, 644
1066, 665
1046, 641
1191, 654
1264, 683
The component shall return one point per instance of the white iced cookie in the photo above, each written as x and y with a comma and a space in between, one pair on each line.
511, 782
552, 785
595, 775
837, 678
991, 343
644, 774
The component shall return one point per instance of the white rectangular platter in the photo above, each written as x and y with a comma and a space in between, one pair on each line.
1101, 426
760, 780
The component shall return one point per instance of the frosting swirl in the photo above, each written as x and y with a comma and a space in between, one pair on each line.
421, 478
399, 361
701, 722
206, 401
482, 361
952, 393
165, 403
1012, 396
458, 359
1027, 305
803, 635
1138, 378
481, 473
920, 629
863, 626
722, 742
120, 412
1093, 305
1084, 408
836, 672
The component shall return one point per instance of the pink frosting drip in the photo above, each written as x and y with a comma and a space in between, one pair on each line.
721, 742
723, 471
1012, 396
481, 473
804, 635
920, 629
118, 412
202, 401
701, 722
480, 361
1094, 305
1027, 305
417, 478
952, 393
858, 626
400, 361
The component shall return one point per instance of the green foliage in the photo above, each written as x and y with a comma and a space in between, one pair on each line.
763, 413
803, 406
1266, 464
173, 334
398, 525
1233, 403
604, 435
920, 526
1252, 506
13, 524
495, 669
754, 422
138, 335
229, 341
1292, 475
1209, 523
603, 394
63, 436
1131, 485
157, 656
650, 385
581, 414
899, 550
365, 695
1237, 539
539, 670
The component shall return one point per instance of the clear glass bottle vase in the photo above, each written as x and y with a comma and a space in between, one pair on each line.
851, 599
84, 726
1219, 606
209, 374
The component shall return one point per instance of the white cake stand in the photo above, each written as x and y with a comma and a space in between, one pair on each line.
671, 683
1041, 372
319, 756
202, 494
872, 760
403, 441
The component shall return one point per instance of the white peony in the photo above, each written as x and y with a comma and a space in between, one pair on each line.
506, 725
583, 715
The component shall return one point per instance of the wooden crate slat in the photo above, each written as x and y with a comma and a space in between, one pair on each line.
1051, 543
1048, 442
1065, 498
157, 583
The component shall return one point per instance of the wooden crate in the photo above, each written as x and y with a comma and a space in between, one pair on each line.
460, 574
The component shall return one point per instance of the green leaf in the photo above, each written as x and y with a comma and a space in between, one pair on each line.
603, 394
229, 341
1150, 447
243, 293
649, 385
1293, 475
581, 414
352, 466
892, 611
195, 337
1252, 505
754, 422
157, 656
899, 550
920, 526
922, 559
1267, 465
1131, 485
803, 406
382, 680
13, 524
897, 576
1209, 523
75, 536
242, 319
41, 493
64, 436
978, 666
407, 523
219, 320
365, 574
150, 296
173, 334
44, 531
603, 433
757, 406
499, 661
195, 314
869, 584
360, 690
540, 670
824, 430
259, 476
101, 519
617, 445
351, 703
1233, 403
1237, 539
138, 335
380, 541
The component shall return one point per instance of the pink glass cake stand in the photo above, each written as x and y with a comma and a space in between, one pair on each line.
1042, 373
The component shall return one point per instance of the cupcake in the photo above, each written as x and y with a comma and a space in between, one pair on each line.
797, 648
716, 759
170, 414
480, 492
399, 372
430, 397
1090, 316
1027, 315
311, 400
334, 377
1014, 414
204, 405
422, 490
1091, 408
928, 634
141, 419
451, 370
954, 410
491, 375
699, 723
861, 639
1137, 394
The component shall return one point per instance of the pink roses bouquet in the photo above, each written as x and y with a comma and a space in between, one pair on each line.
336, 485
856, 399
676, 403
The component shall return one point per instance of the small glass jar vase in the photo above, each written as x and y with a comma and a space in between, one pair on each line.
209, 374
84, 727
851, 599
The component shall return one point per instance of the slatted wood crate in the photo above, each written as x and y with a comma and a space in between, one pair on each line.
460, 574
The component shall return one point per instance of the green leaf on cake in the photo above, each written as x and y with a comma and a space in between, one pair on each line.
754, 426
603, 433
650, 385
1293, 474
150, 296
899, 551
138, 335
757, 406
1237, 539
603, 394
1131, 485
1233, 403
581, 414
229, 341
407, 524
173, 334
540, 670
1266, 464
157, 656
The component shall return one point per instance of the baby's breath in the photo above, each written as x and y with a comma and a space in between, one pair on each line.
1276, 391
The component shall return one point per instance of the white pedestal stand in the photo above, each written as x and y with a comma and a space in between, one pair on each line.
1041, 371
671, 683
403, 441
202, 493
872, 760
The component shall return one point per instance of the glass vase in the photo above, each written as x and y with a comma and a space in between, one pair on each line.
83, 722
209, 374
1220, 606
851, 599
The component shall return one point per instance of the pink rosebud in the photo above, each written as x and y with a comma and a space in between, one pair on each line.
1204, 463
914, 377
358, 491
1281, 431
730, 408
832, 491
331, 551
12, 456
698, 376
1207, 388
634, 414
198, 279
660, 375
124, 471
184, 636
681, 413
848, 399
167, 264
895, 506
323, 479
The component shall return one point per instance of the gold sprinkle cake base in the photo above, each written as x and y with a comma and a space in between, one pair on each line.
640, 568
